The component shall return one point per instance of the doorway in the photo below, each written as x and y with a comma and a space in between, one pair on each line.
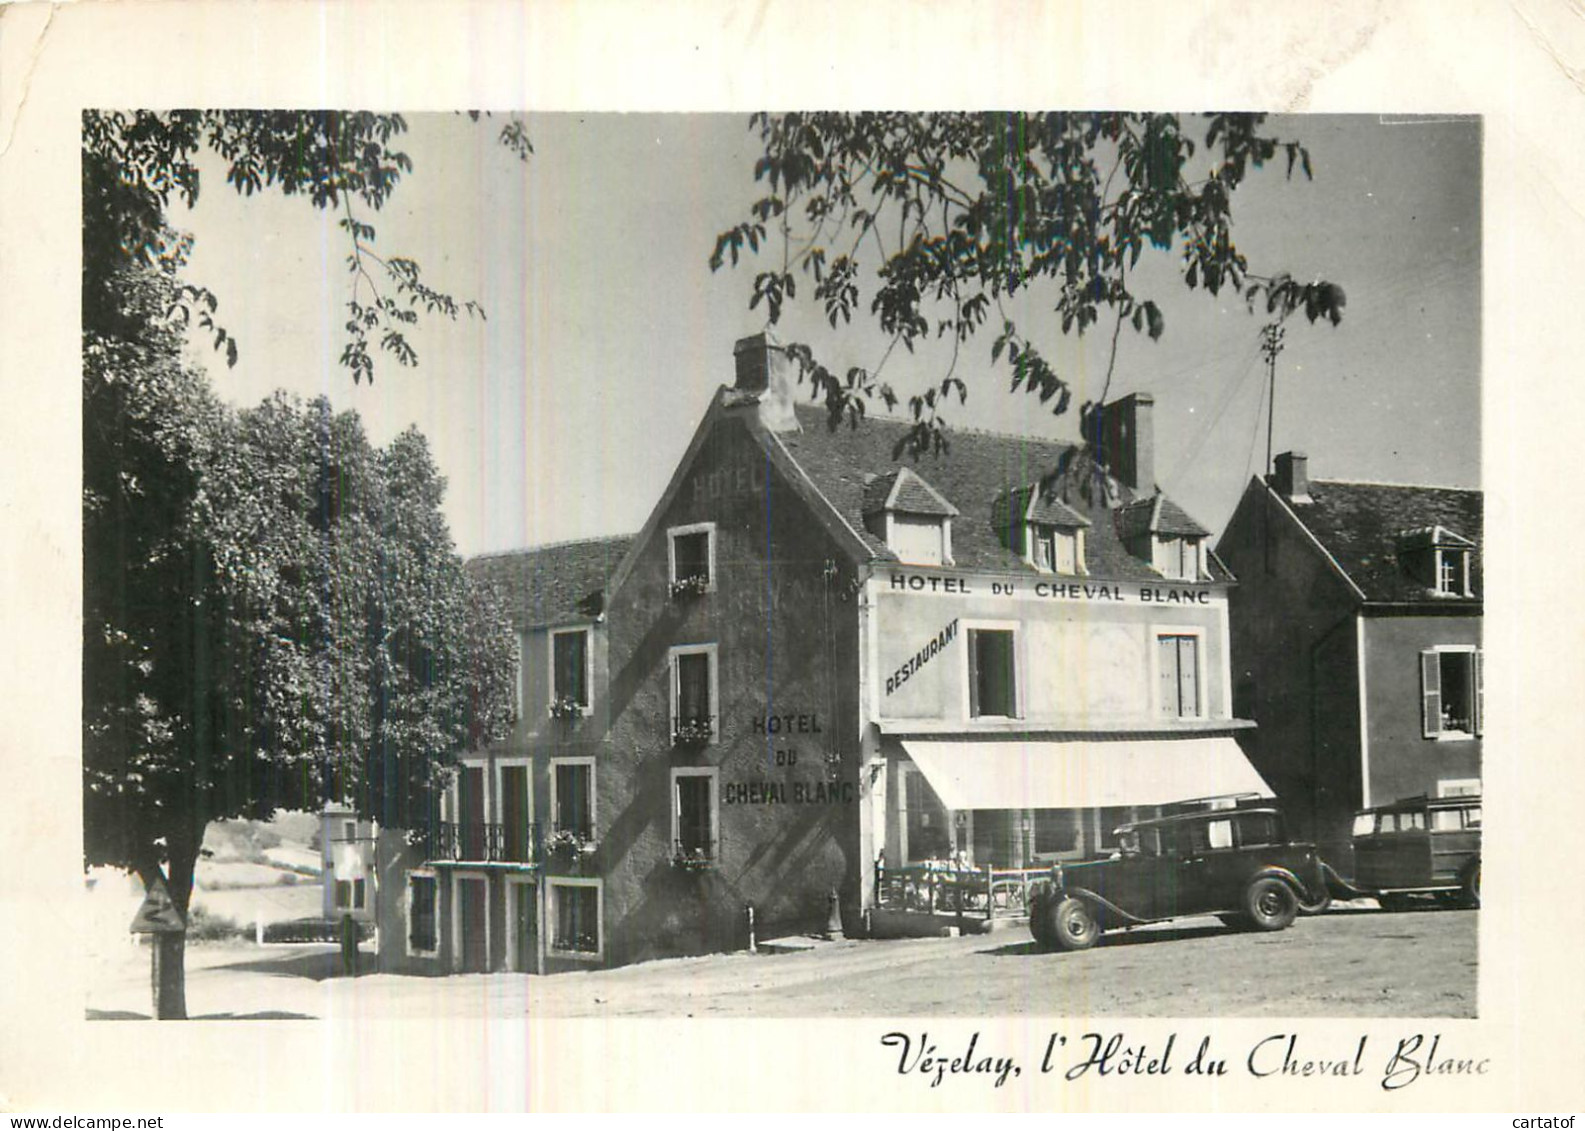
472, 923
522, 929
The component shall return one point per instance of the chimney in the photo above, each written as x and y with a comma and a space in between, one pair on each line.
1128, 441
765, 376
1292, 477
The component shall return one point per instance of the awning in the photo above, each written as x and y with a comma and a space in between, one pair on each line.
1083, 775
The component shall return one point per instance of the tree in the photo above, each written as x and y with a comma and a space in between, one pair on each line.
946, 216
273, 612
279, 621
136, 163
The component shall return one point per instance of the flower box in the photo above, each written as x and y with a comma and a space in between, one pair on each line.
693, 732
566, 708
691, 586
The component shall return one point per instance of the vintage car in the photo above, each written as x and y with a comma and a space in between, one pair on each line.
1419, 846
1234, 863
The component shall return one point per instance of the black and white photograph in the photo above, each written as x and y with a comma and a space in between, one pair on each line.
974, 586
999, 586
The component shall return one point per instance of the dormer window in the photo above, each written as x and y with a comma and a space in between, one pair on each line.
1438, 559
1042, 529
919, 540
1159, 532
911, 517
1055, 549
1180, 558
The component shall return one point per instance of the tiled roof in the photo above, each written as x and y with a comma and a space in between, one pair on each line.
904, 492
1173, 519
1362, 525
1044, 506
1157, 515
976, 471
553, 584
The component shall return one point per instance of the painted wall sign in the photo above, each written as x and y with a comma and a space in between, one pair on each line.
1100, 591
787, 724
922, 657
787, 793
724, 481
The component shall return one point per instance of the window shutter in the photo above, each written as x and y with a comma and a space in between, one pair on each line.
974, 674
1189, 676
1480, 692
1431, 693
1167, 661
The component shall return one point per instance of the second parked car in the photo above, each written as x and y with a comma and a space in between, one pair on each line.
1236, 863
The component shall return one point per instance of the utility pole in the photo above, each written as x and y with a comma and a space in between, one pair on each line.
1270, 347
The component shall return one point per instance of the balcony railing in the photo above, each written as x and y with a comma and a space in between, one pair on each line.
939, 887
485, 842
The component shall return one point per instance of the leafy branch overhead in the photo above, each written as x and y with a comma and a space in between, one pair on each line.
135, 164
931, 223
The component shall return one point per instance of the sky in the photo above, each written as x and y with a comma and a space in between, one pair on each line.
562, 413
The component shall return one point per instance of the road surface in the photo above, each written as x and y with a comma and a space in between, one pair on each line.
1347, 963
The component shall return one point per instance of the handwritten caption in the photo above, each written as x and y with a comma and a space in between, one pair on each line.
1402, 1062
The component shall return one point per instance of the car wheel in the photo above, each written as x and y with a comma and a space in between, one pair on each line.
1472, 886
1319, 907
1270, 904
1071, 924
1040, 922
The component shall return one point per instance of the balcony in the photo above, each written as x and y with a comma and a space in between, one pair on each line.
484, 843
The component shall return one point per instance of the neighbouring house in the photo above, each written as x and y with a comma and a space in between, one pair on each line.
346, 863
510, 849
818, 663
1357, 641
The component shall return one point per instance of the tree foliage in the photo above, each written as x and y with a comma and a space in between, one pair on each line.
136, 164
273, 615
930, 223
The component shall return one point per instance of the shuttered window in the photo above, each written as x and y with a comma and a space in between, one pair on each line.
1452, 692
1178, 668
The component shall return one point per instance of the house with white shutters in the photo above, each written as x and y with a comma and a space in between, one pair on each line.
1356, 632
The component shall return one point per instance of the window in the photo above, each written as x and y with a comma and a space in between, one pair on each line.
1178, 558
1452, 820
1107, 820
514, 807
569, 667
357, 895
349, 830
693, 694
1056, 831
993, 691
694, 828
343, 894
1207, 835
1178, 671
1452, 690
575, 917
1055, 550
919, 539
572, 802
1259, 828
692, 554
421, 934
